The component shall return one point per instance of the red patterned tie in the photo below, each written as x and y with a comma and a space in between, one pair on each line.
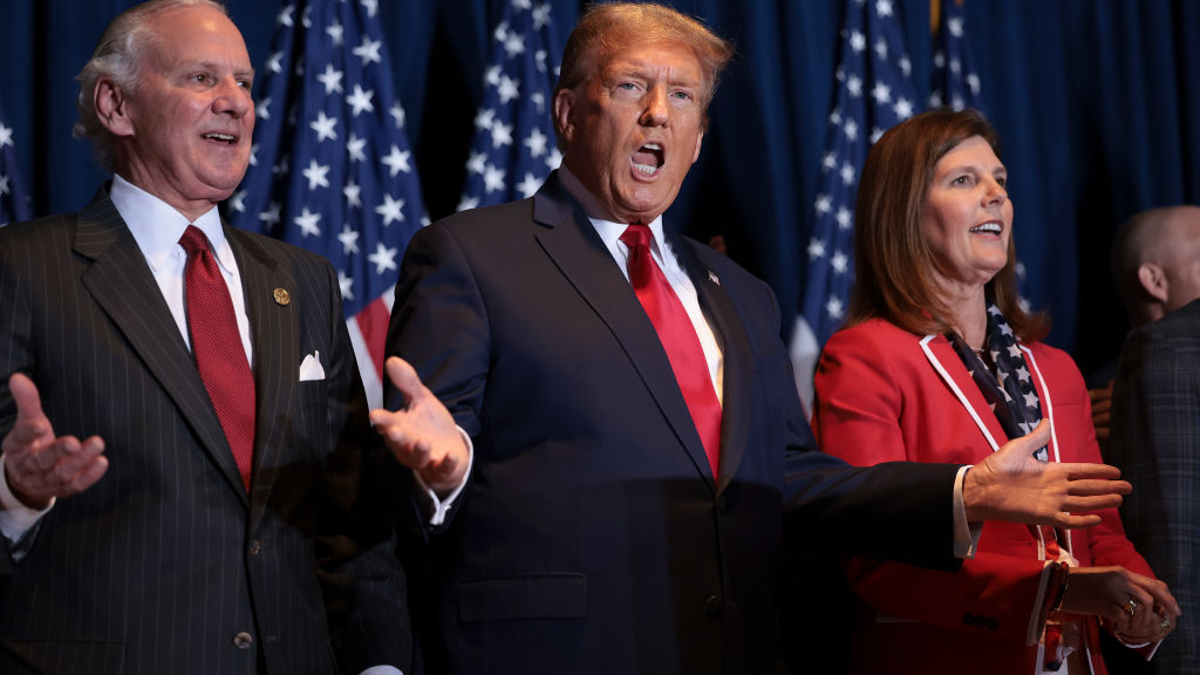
217, 346
679, 339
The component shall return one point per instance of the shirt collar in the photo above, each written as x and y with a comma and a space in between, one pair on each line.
609, 230
157, 226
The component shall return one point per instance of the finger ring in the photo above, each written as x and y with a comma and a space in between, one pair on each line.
1166, 625
1130, 606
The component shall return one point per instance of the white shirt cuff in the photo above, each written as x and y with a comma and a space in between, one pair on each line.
438, 508
966, 535
15, 518
382, 670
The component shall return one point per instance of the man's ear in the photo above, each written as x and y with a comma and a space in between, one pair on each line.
564, 104
1153, 280
112, 108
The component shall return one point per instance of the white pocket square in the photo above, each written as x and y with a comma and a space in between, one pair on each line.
310, 368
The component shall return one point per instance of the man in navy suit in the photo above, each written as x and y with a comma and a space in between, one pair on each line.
602, 422
207, 523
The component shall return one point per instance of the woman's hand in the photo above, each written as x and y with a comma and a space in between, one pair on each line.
1140, 609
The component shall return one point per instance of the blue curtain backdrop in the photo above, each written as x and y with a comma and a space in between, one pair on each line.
1096, 101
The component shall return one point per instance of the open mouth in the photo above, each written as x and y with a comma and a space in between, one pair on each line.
228, 139
987, 228
648, 159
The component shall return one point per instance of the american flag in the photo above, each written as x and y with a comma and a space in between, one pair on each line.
331, 170
955, 82
513, 150
873, 92
14, 205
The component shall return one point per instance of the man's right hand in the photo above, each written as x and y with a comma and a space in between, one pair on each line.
40, 466
422, 435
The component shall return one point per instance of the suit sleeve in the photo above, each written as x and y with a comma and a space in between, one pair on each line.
901, 511
439, 324
17, 354
859, 405
1155, 438
364, 585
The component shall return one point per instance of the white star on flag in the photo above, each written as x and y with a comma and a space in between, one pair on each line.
344, 91
855, 121
513, 132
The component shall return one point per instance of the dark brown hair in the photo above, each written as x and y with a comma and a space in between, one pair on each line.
894, 265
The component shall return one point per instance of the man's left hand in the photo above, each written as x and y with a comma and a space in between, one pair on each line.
1012, 485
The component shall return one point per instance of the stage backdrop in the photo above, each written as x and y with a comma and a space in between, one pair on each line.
1096, 100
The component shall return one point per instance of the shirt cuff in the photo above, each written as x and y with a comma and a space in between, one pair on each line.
438, 508
382, 670
15, 518
966, 535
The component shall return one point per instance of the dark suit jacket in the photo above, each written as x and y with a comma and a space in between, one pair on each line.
1156, 443
591, 537
160, 565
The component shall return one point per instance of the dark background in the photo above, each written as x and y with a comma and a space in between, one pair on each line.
1096, 101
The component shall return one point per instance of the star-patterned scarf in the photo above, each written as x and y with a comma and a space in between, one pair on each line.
1010, 389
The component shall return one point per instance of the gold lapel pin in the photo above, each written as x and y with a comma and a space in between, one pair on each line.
281, 296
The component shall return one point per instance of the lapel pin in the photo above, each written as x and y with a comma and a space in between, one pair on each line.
712, 276
281, 296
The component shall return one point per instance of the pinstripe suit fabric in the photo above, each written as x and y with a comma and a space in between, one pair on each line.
159, 565
1156, 443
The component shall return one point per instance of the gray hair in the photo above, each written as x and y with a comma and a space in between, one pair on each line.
118, 57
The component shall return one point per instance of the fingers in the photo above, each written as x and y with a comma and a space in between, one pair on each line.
1035, 439
1080, 471
25, 393
404, 377
1070, 521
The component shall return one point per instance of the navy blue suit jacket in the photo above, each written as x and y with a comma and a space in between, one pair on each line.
592, 537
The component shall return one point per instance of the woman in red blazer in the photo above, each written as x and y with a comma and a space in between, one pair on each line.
940, 364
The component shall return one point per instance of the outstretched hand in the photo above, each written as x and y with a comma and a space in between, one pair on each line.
422, 435
1012, 485
40, 466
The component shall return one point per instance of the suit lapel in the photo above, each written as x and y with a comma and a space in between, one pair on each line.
578, 252
737, 356
276, 356
121, 283
950, 367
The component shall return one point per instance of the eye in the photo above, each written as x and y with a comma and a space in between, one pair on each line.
964, 179
682, 95
245, 84
200, 78
1002, 181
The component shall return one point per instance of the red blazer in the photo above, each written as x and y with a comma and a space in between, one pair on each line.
884, 394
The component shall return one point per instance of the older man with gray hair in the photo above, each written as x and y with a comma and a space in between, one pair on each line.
216, 518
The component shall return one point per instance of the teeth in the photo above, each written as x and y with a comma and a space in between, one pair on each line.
220, 137
652, 146
646, 169
987, 227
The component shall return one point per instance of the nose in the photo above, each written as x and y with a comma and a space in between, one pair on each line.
233, 99
655, 112
994, 192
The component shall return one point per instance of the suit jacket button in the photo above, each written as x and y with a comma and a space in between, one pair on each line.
255, 547
969, 619
243, 640
714, 607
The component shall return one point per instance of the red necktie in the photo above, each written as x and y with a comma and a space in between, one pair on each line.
679, 339
217, 346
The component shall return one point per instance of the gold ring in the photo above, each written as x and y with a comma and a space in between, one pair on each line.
1131, 605
1166, 625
